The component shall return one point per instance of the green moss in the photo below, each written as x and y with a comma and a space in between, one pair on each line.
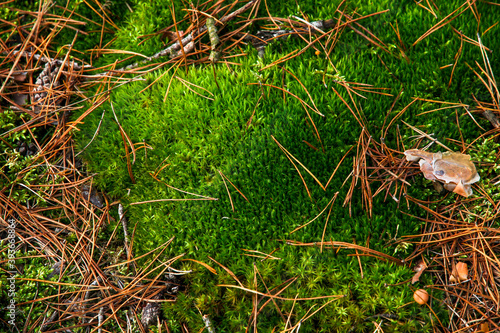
196, 137
191, 138
21, 291
13, 165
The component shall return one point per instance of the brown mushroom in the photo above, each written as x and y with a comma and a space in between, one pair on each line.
462, 271
459, 273
421, 296
454, 170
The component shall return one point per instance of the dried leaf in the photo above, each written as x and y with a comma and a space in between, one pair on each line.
419, 268
492, 118
20, 77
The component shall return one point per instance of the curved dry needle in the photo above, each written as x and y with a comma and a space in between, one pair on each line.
426, 135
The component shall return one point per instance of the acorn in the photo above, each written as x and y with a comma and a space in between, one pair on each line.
421, 296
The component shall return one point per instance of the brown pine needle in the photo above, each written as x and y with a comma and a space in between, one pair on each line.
337, 167
426, 135
443, 22
327, 219
129, 165
227, 189
269, 292
125, 136
305, 89
211, 269
310, 145
262, 255
344, 245
187, 84
314, 219
227, 270
179, 190
360, 122
296, 160
278, 297
164, 200
298, 171
224, 176
281, 60
291, 94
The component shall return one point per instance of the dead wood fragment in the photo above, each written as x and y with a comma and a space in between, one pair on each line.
188, 42
214, 40
492, 118
419, 268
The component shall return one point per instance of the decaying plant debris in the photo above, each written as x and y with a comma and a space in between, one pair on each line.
47, 87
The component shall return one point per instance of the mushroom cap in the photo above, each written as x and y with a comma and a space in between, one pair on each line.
455, 167
455, 170
462, 271
421, 296
413, 155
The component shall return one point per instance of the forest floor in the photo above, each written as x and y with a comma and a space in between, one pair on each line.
240, 166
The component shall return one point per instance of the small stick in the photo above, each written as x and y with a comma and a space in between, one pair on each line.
187, 41
208, 324
123, 219
492, 118
214, 40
